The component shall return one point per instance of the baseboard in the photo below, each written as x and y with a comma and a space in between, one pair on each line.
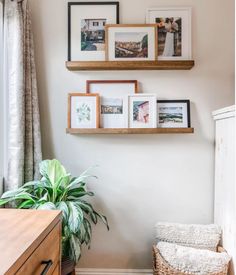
95, 271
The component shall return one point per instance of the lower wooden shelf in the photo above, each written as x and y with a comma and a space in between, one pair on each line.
131, 131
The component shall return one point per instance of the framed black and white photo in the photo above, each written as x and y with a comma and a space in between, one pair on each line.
173, 114
86, 29
174, 32
142, 111
113, 100
126, 42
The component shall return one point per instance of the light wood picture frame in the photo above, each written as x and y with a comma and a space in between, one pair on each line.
131, 42
113, 100
83, 114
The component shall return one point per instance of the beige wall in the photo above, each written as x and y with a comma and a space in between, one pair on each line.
142, 178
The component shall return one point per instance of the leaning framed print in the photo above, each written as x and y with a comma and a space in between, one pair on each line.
86, 29
174, 32
131, 42
173, 114
142, 111
113, 100
83, 110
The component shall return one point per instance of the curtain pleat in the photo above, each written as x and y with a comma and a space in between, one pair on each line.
24, 137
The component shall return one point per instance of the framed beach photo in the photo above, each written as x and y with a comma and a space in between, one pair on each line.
173, 114
174, 32
83, 111
86, 29
131, 42
113, 100
142, 111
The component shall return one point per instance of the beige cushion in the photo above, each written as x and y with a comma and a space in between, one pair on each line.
193, 235
192, 260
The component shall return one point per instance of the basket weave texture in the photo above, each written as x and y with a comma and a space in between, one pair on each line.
161, 267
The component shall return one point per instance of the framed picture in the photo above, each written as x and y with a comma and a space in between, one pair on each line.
173, 114
113, 100
86, 29
174, 32
142, 111
83, 110
131, 42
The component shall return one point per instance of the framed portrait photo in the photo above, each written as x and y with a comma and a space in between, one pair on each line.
174, 32
83, 111
86, 29
173, 114
131, 42
113, 100
142, 111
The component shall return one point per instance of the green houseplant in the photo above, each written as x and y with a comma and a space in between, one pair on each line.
58, 190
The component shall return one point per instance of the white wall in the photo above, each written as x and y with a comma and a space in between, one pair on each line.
142, 178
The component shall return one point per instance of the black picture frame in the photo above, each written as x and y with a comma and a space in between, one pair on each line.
70, 4
186, 101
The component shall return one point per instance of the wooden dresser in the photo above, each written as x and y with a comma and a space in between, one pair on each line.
30, 242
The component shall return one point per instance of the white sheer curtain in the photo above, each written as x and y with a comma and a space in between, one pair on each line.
1, 100
23, 141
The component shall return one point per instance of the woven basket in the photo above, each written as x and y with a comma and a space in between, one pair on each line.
161, 267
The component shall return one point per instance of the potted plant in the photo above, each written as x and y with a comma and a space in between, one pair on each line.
58, 190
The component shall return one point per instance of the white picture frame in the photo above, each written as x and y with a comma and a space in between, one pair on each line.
113, 100
174, 38
142, 111
131, 42
86, 29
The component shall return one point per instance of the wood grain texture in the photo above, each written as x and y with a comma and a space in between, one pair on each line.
132, 131
56, 270
129, 65
21, 232
49, 249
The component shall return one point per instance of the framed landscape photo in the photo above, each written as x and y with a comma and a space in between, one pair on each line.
113, 100
86, 29
142, 111
173, 114
174, 32
131, 42
83, 111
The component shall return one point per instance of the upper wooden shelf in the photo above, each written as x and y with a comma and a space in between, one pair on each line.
128, 65
132, 131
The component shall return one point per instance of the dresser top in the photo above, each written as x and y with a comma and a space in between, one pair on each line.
21, 232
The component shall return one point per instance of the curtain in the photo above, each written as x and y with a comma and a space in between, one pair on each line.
23, 122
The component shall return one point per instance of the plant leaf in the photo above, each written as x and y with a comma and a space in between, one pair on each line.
64, 208
47, 206
26, 204
103, 218
75, 248
43, 167
55, 171
75, 217
13, 193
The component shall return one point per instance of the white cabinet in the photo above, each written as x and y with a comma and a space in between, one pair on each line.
225, 186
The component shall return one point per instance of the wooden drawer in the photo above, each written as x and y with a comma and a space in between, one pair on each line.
57, 270
49, 249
